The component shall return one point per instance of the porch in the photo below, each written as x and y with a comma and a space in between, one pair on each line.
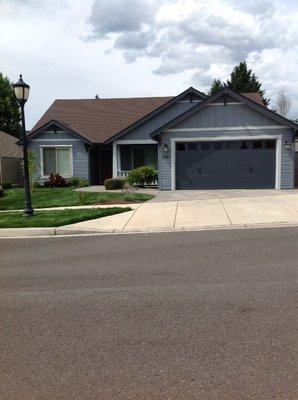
130, 156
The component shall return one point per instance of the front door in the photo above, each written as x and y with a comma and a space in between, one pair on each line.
105, 165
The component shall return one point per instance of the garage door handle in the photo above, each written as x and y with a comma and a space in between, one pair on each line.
250, 169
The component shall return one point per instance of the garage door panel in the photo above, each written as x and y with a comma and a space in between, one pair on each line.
220, 165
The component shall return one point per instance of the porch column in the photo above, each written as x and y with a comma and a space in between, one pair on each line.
116, 159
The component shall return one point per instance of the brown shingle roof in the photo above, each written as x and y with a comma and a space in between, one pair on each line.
255, 96
99, 119
8, 146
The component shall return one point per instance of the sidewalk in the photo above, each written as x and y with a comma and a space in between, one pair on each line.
199, 214
224, 213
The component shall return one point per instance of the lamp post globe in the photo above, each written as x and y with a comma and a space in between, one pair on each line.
21, 91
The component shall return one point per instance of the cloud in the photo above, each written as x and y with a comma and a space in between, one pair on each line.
118, 16
211, 32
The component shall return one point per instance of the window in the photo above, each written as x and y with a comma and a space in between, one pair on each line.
180, 147
134, 156
217, 145
244, 145
257, 144
270, 144
192, 147
205, 146
57, 160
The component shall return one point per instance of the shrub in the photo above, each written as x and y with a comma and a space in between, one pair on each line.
6, 185
114, 183
1, 191
36, 184
142, 176
77, 182
55, 181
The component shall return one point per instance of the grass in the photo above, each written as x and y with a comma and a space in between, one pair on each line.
55, 218
13, 199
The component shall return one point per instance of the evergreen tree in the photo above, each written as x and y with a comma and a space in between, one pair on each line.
216, 86
9, 109
243, 80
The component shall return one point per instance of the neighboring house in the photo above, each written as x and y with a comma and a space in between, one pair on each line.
228, 140
10, 160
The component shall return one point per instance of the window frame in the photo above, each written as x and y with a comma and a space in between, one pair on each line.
62, 146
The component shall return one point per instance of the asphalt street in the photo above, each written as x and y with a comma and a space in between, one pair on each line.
190, 315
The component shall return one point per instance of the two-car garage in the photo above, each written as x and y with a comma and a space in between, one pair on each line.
233, 164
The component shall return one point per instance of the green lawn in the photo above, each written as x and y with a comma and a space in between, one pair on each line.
13, 199
55, 218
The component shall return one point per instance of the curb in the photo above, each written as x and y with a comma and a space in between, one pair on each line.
11, 233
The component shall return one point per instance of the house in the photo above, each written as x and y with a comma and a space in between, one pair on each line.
228, 140
11, 157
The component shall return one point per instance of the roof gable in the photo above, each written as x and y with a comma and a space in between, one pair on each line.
191, 94
226, 94
55, 126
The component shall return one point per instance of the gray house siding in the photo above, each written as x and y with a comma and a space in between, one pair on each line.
214, 116
80, 155
143, 131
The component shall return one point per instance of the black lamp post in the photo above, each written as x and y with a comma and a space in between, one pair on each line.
21, 90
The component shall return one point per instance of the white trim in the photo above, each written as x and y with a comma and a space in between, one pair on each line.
225, 104
41, 147
115, 166
56, 140
141, 141
189, 101
231, 128
278, 139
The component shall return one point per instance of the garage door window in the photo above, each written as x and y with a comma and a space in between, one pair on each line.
244, 145
192, 147
257, 144
217, 146
180, 146
205, 146
270, 144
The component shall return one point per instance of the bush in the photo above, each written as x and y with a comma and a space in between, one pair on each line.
77, 182
114, 183
6, 185
1, 191
142, 176
55, 181
36, 184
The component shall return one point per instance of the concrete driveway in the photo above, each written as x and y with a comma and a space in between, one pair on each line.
242, 211
189, 195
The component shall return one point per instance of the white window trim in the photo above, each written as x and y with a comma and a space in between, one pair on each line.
41, 147
278, 139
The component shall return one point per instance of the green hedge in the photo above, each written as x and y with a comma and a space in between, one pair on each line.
114, 183
142, 176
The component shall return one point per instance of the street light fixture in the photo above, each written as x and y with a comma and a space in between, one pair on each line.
21, 90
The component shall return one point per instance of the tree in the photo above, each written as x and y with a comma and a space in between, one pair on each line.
10, 116
243, 80
283, 103
216, 86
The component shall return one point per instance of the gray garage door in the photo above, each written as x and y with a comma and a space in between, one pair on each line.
225, 165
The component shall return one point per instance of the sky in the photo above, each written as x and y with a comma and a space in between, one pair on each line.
133, 48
